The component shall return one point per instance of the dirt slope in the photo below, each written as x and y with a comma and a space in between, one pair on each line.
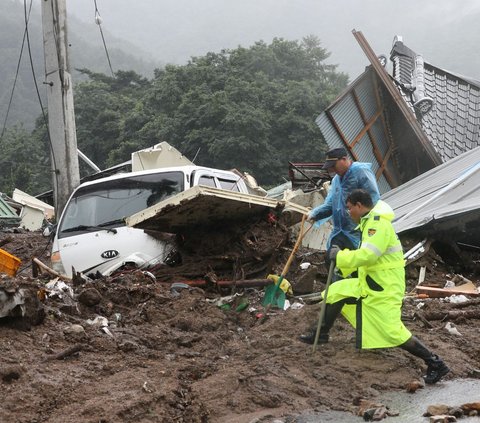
172, 356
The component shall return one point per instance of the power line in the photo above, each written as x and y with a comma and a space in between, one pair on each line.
98, 21
17, 71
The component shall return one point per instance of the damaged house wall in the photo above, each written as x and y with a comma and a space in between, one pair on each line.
365, 120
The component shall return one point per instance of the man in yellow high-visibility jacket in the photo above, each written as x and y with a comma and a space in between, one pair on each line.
372, 302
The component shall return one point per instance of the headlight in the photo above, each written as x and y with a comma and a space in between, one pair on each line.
57, 264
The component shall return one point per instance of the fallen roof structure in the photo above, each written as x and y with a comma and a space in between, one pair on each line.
8, 217
206, 206
443, 200
407, 123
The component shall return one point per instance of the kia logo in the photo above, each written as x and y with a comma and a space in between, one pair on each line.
109, 254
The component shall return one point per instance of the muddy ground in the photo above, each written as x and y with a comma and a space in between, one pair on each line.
173, 356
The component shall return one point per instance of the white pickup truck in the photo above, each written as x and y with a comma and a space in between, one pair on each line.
92, 236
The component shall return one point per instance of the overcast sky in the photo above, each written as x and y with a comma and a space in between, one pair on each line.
174, 30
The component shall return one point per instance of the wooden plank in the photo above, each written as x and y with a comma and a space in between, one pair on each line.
367, 126
377, 153
446, 292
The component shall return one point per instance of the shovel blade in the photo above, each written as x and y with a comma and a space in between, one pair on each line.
274, 297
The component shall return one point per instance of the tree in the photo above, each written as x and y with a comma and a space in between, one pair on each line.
105, 108
253, 108
23, 162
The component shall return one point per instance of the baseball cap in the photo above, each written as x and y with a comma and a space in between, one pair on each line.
332, 157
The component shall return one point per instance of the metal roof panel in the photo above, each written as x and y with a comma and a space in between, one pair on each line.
446, 190
5, 210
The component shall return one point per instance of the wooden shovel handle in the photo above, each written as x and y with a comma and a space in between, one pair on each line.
296, 246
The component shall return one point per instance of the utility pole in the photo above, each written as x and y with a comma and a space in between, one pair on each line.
61, 115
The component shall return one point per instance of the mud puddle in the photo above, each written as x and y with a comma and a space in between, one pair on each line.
452, 393
411, 406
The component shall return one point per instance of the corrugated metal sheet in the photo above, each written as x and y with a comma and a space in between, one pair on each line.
448, 190
383, 185
8, 217
351, 113
6, 211
348, 118
364, 93
328, 131
381, 140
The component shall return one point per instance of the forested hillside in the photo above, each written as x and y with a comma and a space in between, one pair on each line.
86, 50
250, 108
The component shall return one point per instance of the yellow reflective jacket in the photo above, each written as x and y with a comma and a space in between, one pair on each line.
380, 286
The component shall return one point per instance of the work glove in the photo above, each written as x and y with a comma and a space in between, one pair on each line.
285, 286
332, 254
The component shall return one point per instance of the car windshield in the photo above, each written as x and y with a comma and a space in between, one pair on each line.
108, 203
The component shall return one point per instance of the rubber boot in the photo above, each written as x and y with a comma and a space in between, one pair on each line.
331, 313
309, 336
436, 368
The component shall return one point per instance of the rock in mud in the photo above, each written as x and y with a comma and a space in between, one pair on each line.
10, 373
89, 297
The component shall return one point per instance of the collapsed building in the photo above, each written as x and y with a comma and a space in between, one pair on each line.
210, 361
407, 124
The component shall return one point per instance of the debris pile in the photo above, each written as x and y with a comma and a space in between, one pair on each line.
130, 347
229, 253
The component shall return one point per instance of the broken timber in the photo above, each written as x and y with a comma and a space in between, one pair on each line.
37, 264
241, 283
465, 289
204, 206
452, 315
